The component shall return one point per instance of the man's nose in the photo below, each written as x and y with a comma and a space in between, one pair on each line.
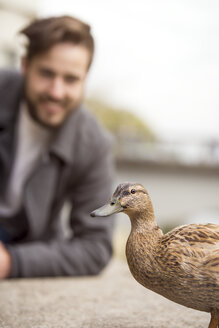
56, 88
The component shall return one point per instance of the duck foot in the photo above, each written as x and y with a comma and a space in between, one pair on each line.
214, 323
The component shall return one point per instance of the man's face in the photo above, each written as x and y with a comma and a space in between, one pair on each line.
54, 82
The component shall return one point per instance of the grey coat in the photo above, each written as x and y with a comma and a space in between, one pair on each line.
78, 168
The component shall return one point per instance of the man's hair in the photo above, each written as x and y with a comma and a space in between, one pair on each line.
45, 33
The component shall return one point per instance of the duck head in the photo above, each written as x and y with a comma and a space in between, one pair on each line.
130, 198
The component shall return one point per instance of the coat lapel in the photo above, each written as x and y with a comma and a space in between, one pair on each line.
10, 97
39, 195
6, 155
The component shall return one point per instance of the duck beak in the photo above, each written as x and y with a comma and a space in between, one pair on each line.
110, 208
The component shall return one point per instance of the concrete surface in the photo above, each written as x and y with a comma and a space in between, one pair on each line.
110, 300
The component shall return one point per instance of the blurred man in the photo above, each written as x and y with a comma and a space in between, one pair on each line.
52, 151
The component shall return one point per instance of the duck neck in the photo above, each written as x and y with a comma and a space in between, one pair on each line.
144, 227
144, 222
141, 245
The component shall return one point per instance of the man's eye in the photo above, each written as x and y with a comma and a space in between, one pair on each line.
46, 73
71, 79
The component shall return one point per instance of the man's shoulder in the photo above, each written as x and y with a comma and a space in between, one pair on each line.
9, 76
11, 87
94, 144
92, 129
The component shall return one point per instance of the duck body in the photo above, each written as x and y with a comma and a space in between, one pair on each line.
182, 265
178, 265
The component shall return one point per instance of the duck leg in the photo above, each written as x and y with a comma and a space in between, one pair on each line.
214, 323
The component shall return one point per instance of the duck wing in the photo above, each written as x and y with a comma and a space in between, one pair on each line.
188, 262
193, 247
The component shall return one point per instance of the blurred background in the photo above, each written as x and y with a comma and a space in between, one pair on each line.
154, 84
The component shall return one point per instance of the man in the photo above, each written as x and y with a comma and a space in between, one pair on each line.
52, 151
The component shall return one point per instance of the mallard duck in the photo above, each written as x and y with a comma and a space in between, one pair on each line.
182, 265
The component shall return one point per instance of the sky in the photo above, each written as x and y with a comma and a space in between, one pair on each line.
159, 59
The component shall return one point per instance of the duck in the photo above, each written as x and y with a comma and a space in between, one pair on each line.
181, 265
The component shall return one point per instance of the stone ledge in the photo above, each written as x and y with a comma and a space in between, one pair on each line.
111, 300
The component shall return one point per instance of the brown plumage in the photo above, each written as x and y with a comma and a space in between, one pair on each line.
182, 265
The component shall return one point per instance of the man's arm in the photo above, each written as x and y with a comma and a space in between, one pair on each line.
5, 262
90, 248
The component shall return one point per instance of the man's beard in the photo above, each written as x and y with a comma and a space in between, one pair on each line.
66, 104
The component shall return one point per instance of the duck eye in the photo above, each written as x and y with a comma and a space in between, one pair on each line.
133, 191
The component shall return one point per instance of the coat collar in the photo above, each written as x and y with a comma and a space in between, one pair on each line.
64, 143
